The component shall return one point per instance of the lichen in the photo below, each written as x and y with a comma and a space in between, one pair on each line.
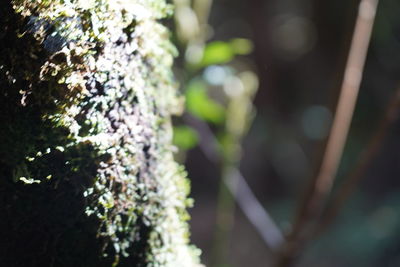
87, 99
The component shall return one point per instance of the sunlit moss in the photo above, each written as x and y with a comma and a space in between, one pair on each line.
92, 93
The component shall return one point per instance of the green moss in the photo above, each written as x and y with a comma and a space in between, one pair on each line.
87, 98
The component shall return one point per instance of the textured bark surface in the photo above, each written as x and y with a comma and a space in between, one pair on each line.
87, 173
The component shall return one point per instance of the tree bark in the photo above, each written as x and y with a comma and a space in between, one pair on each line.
87, 175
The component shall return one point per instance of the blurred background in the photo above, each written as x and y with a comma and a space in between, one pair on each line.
298, 51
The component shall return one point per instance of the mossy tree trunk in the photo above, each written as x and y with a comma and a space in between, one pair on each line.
87, 173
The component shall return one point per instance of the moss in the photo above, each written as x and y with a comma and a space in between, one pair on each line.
87, 96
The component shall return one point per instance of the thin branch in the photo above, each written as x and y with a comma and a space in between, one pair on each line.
349, 185
253, 210
239, 188
208, 142
322, 183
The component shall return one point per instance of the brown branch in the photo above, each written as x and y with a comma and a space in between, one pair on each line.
349, 185
322, 183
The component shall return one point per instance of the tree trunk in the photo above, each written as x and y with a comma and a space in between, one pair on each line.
87, 173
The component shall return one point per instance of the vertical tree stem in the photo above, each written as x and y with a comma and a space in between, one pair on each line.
390, 116
322, 183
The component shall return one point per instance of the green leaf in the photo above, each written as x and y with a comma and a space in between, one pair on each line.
199, 104
217, 52
185, 137
241, 46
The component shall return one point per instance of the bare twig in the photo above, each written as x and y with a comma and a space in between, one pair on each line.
390, 116
253, 210
322, 183
236, 183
